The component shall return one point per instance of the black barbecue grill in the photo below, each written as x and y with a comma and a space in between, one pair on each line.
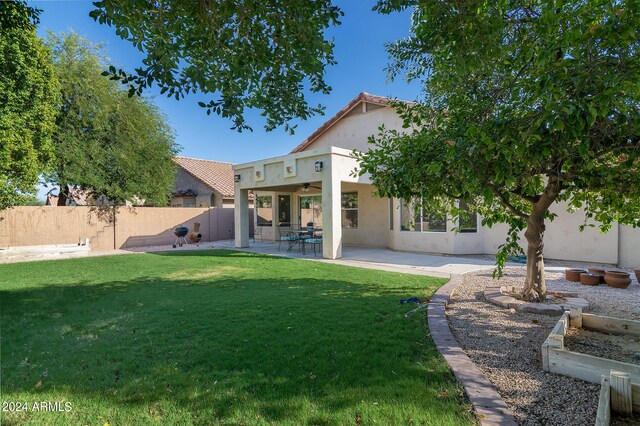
180, 232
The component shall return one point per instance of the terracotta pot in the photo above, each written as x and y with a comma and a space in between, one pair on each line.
589, 279
637, 272
573, 274
617, 279
599, 272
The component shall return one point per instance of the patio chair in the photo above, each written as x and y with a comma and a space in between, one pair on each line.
287, 236
315, 240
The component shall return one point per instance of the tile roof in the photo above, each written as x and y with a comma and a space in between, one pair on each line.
215, 174
362, 97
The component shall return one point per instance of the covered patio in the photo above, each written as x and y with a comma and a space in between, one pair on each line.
315, 189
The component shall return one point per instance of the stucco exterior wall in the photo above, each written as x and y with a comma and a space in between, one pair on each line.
564, 241
186, 181
373, 218
629, 247
352, 132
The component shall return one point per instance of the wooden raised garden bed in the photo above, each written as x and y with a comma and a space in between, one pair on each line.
620, 380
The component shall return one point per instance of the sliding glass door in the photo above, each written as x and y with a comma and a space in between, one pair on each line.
311, 211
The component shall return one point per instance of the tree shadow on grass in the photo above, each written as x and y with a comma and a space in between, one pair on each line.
217, 253
219, 348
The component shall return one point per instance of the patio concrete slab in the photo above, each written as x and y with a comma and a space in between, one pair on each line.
389, 260
378, 258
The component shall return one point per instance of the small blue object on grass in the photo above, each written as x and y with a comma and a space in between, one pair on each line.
517, 259
411, 300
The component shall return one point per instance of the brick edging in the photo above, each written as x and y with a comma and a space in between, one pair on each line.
489, 407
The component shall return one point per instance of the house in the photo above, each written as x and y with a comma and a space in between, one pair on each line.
78, 197
315, 183
202, 183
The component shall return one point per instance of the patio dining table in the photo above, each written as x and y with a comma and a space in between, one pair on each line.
301, 234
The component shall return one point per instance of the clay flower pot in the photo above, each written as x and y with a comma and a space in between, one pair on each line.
599, 272
637, 272
573, 274
617, 279
589, 279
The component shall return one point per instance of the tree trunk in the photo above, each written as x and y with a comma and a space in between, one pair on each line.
63, 195
535, 286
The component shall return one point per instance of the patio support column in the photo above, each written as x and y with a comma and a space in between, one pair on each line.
241, 217
331, 215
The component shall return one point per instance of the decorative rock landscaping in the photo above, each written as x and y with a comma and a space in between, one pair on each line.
504, 341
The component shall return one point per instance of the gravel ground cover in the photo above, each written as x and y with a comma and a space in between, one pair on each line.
618, 348
507, 346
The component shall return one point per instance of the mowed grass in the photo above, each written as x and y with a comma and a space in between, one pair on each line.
220, 337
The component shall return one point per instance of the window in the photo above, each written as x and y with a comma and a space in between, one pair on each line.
420, 220
408, 217
433, 222
350, 210
468, 220
311, 210
189, 201
391, 214
284, 210
264, 210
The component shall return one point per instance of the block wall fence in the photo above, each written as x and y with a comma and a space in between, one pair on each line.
134, 226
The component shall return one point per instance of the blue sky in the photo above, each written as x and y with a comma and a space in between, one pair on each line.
359, 50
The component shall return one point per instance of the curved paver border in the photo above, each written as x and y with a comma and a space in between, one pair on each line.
487, 403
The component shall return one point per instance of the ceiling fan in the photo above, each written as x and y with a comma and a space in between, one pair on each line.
306, 186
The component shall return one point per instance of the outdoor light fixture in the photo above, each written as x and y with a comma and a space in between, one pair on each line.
319, 166
289, 169
236, 178
258, 174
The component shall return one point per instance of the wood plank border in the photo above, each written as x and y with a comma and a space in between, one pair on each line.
611, 325
603, 418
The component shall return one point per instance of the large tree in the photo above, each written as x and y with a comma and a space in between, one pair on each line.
106, 142
527, 104
249, 54
28, 100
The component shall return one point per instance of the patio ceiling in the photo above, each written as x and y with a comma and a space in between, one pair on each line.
290, 188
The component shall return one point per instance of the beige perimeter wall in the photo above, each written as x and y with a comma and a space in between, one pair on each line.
134, 227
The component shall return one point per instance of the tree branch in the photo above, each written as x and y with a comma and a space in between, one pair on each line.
530, 198
508, 204
616, 148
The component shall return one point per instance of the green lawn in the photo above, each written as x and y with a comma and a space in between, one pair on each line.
218, 337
